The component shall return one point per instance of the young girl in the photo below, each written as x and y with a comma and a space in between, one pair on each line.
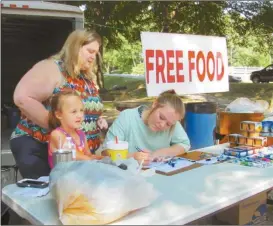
65, 119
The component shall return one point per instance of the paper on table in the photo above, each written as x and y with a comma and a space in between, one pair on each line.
180, 163
156, 164
153, 165
34, 192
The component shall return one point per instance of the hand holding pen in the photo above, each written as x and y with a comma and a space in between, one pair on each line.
143, 156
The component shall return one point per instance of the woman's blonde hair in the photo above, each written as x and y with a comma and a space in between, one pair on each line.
170, 98
69, 53
56, 103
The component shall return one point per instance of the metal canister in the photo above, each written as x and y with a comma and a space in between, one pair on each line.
61, 155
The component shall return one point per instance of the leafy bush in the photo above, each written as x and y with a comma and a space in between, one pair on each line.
138, 69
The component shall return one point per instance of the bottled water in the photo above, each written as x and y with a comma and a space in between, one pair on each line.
70, 146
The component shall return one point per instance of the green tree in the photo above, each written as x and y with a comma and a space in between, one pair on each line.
248, 27
126, 57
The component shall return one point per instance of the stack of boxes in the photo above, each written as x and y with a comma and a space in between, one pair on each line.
251, 134
249, 142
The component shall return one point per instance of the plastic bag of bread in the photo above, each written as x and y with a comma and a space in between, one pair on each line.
90, 192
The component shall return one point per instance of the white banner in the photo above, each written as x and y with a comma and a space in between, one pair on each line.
186, 63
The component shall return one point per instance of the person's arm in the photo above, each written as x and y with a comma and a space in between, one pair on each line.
85, 155
180, 143
82, 156
56, 140
174, 150
144, 156
36, 86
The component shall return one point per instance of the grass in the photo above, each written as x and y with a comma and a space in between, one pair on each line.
135, 87
136, 91
252, 91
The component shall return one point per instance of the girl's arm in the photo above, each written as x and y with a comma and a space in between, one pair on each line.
56, 140
84, 155
36, 86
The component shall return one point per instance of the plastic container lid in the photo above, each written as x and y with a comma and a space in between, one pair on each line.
121, 145
201, 107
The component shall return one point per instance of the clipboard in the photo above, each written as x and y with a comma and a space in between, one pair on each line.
197, 155
180, 166
180, 170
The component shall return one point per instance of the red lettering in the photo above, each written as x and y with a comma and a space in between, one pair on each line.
200, 56
160, 67
149, 66
170, 66
210, 57
179, 66
191, 55
219, 57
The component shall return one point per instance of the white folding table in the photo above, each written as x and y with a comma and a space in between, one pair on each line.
184, 198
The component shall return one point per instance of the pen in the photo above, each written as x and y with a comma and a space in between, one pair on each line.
138, 149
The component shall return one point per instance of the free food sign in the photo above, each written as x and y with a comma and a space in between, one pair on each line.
186, 63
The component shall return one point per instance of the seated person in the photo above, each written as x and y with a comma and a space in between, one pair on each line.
156, 131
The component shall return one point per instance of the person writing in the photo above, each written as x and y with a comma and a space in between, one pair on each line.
65, 119
70, 69
153, 132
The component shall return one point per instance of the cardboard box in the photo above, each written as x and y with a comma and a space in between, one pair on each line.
251, 126
234, 138
242, 140
245, 133
251, 211
250, 141
253, 134
259, 141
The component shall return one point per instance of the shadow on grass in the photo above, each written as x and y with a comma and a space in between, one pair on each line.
136, 91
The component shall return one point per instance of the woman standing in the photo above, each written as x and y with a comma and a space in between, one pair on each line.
70, 69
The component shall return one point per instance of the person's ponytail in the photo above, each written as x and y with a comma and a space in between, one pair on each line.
53, 122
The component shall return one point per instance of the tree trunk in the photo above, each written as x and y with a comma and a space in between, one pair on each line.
99, 72
165, 14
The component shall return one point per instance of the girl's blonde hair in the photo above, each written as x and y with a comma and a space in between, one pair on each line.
56, 104
69, 53
170, 98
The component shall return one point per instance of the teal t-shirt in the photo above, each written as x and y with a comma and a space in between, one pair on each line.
130, 127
